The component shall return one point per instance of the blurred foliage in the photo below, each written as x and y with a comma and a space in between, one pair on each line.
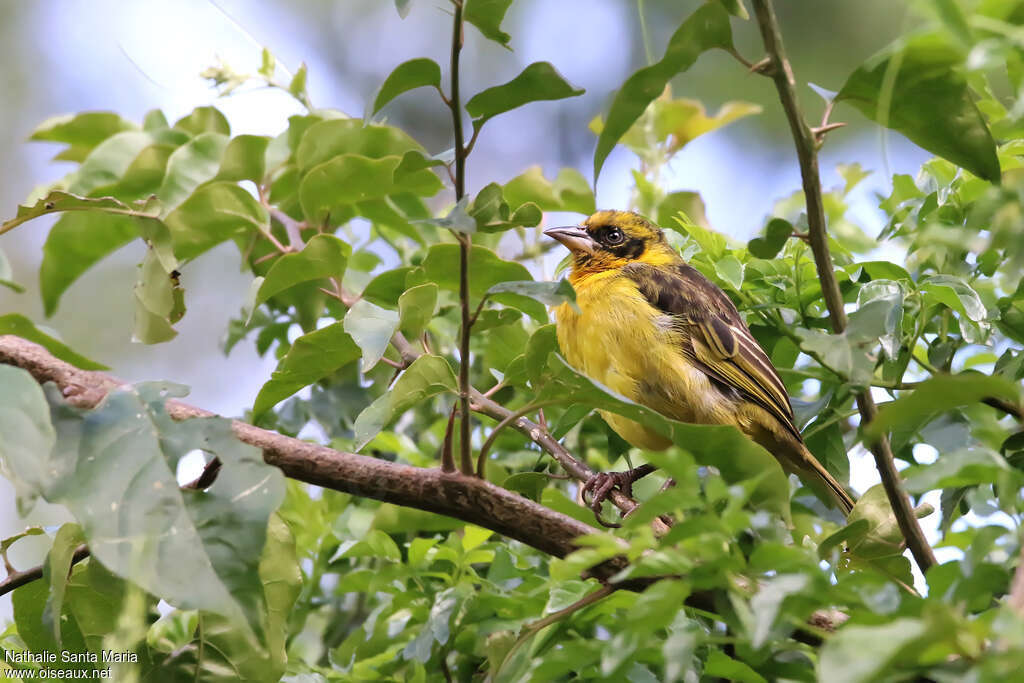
349, 241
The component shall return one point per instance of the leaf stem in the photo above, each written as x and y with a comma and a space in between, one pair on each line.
806, 149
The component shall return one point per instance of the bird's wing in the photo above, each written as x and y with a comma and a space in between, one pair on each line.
718, 342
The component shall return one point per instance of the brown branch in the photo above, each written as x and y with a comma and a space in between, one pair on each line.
806, 149
1004, 406
18, 579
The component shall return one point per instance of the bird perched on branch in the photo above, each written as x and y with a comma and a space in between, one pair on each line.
655, 330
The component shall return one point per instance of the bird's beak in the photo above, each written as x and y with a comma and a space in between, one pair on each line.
573, 237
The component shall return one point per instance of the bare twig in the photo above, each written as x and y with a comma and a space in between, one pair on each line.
806, 149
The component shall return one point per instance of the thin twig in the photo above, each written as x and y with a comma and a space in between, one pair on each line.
530, 629
481, 461
292, 227
447, 459
806, 149
465, 246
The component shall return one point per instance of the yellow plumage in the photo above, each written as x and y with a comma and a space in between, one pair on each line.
653, 329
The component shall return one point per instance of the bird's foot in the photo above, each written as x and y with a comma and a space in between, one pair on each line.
601, 484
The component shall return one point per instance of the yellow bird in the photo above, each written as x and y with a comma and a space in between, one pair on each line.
655, 330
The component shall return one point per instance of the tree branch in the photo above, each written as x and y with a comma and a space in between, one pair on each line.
807, 153
467, 498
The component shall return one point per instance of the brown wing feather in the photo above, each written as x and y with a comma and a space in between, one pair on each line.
720, 343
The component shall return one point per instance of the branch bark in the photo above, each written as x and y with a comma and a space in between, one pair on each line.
463, 497
807, 153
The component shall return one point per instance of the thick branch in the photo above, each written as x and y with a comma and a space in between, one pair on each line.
467, 498
807, 153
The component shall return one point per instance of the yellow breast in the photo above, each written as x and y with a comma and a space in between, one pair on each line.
621, 341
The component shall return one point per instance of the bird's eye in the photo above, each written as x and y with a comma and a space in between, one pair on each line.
613, 236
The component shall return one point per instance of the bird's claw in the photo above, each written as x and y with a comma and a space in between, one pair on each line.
600, 487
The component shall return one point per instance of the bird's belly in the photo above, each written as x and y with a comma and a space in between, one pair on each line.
621, 341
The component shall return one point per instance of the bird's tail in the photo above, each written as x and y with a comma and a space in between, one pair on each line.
817, 472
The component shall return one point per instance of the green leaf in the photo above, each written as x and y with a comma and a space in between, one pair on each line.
282, 582
843, 657
204, 120
81, 132
323, 256
850, 353
772, 592
108, 162
568, 192
371, 327
127, 452
325, 140
344, 180
538, 81
30, 616
940, 394
58, 201
730, 270
244, 159
917, 88
416, 307
311, 357
20, 326
675, 122
58, 565
297, 86
963, 467
530, 484
386, 288
409, 75
548, 293
159, 301
428, 376
736, 8
26, 435
722, 665
487, 16
956, 294
776, 233
486, 268
711, 243
214, 213
190, 166
890, 292
403, 7
705, 29
457, 219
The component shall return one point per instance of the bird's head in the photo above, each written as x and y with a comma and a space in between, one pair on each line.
610, 240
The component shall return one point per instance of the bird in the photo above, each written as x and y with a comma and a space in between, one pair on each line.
652, 328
